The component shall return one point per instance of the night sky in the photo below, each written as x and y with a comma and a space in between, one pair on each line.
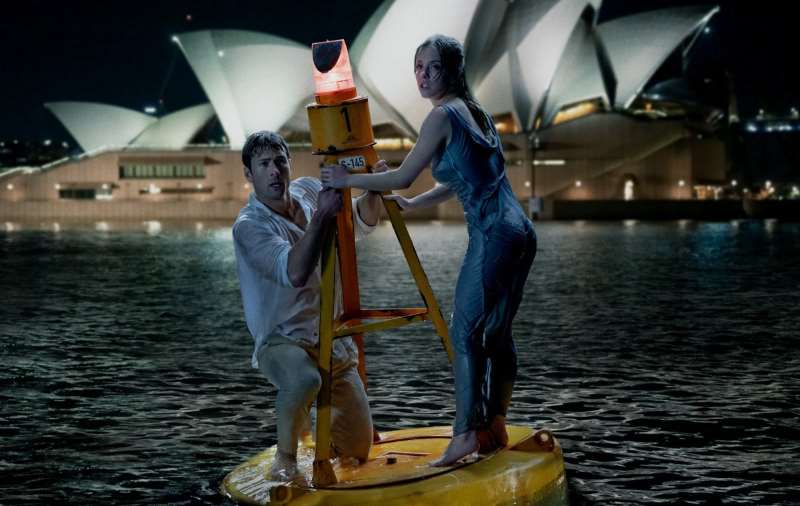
121, 53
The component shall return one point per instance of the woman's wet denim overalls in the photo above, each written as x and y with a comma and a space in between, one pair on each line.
502, 245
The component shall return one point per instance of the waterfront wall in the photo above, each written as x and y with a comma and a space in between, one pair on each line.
54, 210
31, 196
710, 210
663, 157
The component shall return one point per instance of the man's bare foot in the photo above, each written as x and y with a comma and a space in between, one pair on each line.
350, 462
460, 446
284, 467
498, 429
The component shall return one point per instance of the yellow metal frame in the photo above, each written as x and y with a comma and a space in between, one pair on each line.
343, 133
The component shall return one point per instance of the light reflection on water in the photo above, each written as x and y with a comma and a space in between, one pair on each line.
663, 355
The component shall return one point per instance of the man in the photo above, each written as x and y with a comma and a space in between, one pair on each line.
278, 238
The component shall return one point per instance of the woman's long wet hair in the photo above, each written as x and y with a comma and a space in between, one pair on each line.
451, 52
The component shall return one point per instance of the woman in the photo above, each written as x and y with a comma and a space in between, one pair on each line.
459, 141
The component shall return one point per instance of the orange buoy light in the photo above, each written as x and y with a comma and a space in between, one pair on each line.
333, 77
339, 119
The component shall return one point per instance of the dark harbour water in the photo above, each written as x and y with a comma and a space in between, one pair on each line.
663, 355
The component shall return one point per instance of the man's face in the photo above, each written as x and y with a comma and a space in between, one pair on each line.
269, 174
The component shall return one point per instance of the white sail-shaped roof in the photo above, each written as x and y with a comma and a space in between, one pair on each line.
540, 51
578, 77
255, 81
485, 51
175, 130
201, 52
483, 46
299, 120
522, 60
364, 37
639, 44
269, 83
100, 126
529, 58
496, 92
386, 52
381, 110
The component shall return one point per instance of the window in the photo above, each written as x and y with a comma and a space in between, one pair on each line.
162, 171
77, 193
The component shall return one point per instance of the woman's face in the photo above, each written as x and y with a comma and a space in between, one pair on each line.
429, 73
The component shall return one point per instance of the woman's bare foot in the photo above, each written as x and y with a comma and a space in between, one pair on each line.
284, 467
498, 430
460, 446
486, 442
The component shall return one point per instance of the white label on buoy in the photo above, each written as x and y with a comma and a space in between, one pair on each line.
353, 162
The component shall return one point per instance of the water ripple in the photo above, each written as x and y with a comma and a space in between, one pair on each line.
663, 356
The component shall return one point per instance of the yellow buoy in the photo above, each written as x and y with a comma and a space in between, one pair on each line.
530, 470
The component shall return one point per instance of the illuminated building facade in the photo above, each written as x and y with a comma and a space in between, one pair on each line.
567, 94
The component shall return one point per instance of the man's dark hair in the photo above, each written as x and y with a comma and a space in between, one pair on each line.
260, 141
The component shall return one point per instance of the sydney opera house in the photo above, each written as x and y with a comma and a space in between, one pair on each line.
582, 118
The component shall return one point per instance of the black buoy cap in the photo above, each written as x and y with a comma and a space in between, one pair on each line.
326, 54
